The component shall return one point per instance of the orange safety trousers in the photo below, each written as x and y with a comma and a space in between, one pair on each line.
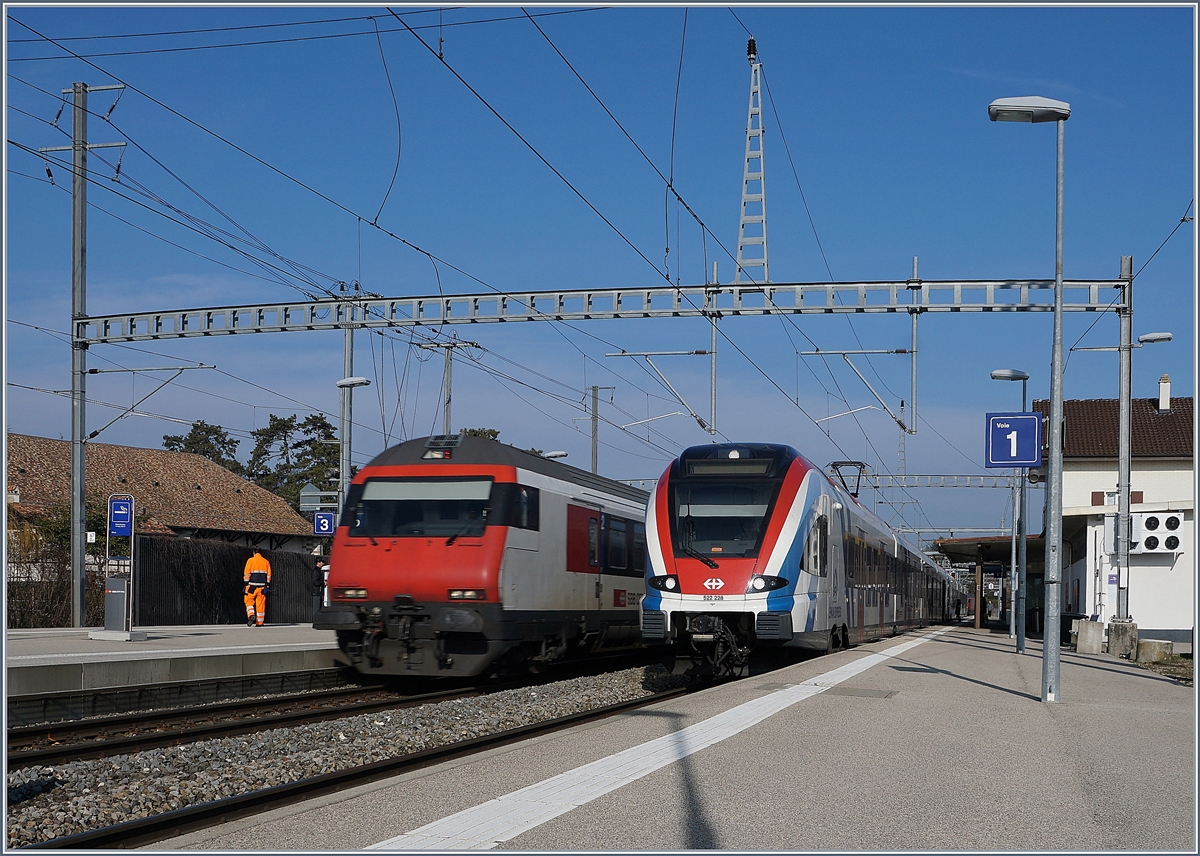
256, 605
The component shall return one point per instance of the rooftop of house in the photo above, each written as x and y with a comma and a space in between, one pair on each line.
1090, 428
176, 490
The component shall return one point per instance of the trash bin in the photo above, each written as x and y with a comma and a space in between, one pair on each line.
1065, 625
116, 605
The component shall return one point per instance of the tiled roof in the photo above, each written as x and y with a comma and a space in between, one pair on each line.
1090, 428
176, 489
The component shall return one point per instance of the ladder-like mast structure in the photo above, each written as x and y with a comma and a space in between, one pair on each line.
752, 230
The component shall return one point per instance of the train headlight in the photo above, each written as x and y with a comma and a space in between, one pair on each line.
759, 583
670, 582
350, 593
468, 594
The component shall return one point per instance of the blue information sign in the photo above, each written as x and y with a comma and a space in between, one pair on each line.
1014, 440
120, 516
324, 522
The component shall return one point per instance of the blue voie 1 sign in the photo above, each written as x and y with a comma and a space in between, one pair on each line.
1014, 440
324, 522
120, 516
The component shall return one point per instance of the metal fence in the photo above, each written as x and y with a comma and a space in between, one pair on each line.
184, 581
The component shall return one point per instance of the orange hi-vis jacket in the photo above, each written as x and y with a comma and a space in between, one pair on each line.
258, 571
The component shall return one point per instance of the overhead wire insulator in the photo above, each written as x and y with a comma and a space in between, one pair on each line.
751, 50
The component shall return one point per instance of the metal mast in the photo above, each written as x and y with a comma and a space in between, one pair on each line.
79, 149
752, 230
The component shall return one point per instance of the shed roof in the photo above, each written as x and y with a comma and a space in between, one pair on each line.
1090, 428
178, 490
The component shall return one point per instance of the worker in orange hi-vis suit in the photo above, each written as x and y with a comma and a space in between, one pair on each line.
257, 579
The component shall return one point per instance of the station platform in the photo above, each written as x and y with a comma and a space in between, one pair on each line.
935, 740
66, 660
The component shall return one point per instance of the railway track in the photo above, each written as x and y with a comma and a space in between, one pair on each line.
59, 743
46, 744
156, 828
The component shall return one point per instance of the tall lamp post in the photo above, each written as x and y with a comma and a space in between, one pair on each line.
1020, 533
345, 427
1035, 108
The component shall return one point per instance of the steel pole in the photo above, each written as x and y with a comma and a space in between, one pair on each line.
1022, 544
1051, 632
344, 421
712, 415
449, 381
595, 428
78, 352
1012, 564
1124, 452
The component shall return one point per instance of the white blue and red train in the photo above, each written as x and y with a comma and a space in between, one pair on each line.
752, 547
461, 556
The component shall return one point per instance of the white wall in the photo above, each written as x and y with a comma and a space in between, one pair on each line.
1161, 586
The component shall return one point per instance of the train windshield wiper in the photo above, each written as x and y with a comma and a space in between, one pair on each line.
696, 554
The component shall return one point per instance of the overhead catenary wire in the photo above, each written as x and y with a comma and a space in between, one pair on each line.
263, 42
433, 258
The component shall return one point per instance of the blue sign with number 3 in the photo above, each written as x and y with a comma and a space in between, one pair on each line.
1014, 440
324, 523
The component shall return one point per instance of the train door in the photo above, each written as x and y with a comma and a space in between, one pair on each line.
624, 563
859, 583
583, 555
521, 571
816, 562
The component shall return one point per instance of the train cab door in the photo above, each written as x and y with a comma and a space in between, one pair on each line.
816, 562
584, 554
521, 569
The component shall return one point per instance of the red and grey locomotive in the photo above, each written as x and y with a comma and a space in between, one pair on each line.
459, 556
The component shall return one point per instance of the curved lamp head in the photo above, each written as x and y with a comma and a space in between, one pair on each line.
1028, 108
554, 455
1150, 338
351, 382
1010, 374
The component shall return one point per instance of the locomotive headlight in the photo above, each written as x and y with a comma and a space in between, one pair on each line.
759, 583
670, 582
467, 594
350, 593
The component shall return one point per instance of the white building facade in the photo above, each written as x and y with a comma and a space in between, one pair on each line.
1162, 560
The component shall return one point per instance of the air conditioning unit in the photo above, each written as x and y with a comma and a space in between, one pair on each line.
1157, 532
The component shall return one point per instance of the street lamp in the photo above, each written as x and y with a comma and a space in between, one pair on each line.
346, 385
1020, 533
1035, 108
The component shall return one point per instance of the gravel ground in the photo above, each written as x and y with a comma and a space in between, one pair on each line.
1179, 668
50, 802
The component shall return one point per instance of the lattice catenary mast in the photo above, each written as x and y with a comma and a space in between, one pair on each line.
752, 230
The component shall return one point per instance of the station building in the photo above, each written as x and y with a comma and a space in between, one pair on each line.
176, 493
1162, 560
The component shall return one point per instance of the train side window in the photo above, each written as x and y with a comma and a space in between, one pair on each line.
639, 547
617, 545
525, 510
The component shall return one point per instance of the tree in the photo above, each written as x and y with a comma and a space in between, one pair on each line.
485, 433
210, 441
288, 454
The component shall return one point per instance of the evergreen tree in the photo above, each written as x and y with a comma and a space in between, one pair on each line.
210, 441
288, 454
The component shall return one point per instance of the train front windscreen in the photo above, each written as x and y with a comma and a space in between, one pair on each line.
389, 508
720, 506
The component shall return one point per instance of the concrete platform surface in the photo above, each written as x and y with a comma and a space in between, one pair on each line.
932, 741
65, 659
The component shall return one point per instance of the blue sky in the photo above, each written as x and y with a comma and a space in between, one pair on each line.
884, 115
